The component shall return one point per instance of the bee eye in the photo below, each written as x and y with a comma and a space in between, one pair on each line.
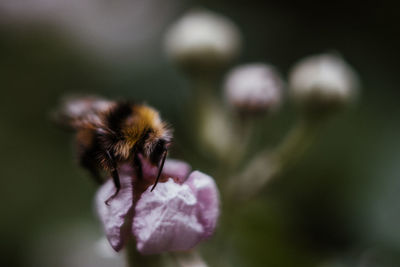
160, 147
157, 152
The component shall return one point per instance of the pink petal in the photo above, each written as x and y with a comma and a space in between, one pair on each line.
166, 219
177, 169
207, 195
113, 216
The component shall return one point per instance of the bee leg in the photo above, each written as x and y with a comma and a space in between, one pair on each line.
137, 165
115, 176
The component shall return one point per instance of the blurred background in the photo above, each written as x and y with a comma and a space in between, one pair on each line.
339, 206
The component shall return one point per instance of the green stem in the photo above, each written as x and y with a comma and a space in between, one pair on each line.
213, 129
245, 129
135, 259
239, 145
296, 142
269, 164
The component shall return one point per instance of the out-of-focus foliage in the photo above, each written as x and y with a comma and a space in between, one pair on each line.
337, 207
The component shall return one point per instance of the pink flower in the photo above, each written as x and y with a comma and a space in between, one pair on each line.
179, 213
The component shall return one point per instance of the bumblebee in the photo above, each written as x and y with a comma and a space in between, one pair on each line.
109, 133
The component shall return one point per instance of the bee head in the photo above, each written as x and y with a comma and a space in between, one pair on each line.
158, 155
155, 144
156, 151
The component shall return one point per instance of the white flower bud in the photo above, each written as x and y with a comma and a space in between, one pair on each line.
322, 81
253, 88
202, 38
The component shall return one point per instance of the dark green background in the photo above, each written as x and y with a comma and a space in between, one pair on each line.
340, 204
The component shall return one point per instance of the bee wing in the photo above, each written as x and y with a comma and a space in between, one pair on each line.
82, 112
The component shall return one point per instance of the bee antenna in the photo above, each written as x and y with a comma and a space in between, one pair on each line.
160, 169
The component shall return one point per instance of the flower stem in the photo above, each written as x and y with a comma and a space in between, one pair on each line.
239, 144
213, 127
135, 259
244, 129
296, 142
269, 164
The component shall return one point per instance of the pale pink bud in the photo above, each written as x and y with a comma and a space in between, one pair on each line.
253, 88
323, 81
202, 38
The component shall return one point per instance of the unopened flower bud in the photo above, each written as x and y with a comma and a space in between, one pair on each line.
253, 88
322, 82
202, 39
178, 214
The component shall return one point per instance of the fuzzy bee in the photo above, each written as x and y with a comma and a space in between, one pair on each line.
109, 133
